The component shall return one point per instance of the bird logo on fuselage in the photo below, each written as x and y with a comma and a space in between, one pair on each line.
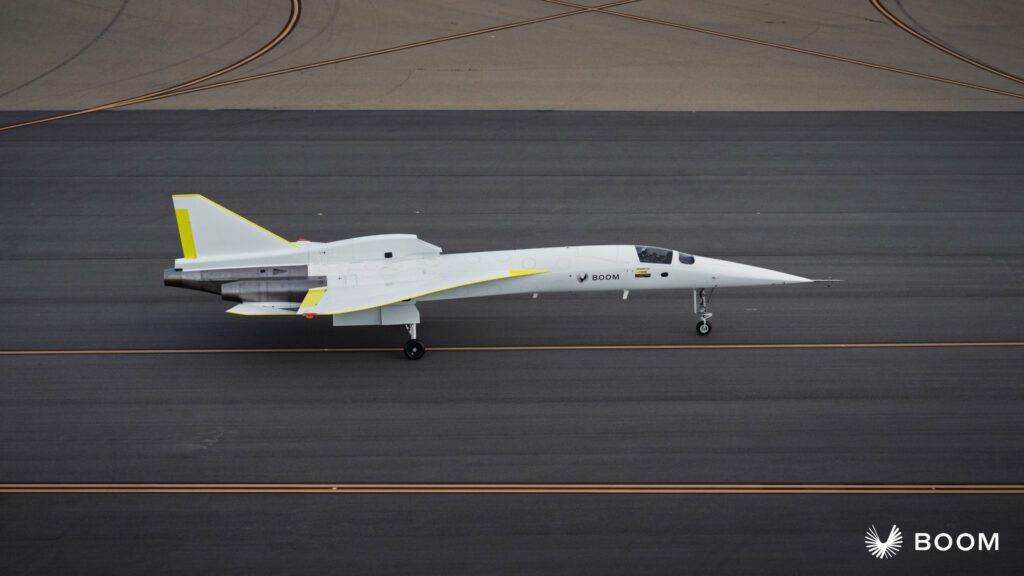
888, 548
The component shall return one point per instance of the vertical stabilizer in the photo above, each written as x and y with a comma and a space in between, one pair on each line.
208, 229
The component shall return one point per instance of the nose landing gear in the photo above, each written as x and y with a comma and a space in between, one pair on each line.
701, 306
414, 349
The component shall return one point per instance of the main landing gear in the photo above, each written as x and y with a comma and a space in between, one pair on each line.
414, 349
701, 307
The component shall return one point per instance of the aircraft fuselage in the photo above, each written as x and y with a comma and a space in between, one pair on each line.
289, 275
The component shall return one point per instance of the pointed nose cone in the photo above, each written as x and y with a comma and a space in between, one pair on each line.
725, 273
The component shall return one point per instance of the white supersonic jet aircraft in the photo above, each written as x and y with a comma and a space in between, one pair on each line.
378, 280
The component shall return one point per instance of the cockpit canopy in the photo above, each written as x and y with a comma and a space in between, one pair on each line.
654, 255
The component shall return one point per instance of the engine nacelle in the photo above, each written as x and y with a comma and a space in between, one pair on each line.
278, 290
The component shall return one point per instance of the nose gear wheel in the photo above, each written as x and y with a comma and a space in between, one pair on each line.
702, 307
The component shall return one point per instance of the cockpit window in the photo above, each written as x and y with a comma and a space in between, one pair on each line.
652, 255
685, 258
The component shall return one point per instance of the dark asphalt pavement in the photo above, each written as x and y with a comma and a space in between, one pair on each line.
921, 214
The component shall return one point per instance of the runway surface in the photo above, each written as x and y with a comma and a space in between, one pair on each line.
919, 213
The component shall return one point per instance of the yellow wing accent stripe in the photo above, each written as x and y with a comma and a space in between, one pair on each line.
313, 297
240, 217
188, 243
510, 274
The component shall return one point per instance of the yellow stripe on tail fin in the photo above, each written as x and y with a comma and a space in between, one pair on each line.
188, 242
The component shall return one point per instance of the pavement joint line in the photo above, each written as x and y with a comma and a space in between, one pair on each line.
522, 488
526, 348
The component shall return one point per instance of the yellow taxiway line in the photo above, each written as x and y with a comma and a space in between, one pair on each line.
958, 55
582, 347
191, 86
791, 48
635, 488
289, 26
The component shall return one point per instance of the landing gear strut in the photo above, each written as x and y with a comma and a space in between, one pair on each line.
701, 307
414, 349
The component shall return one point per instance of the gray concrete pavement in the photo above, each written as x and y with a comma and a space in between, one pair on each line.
918, 212
61, 54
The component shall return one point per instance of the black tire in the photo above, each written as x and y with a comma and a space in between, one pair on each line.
414, 350
703, 328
